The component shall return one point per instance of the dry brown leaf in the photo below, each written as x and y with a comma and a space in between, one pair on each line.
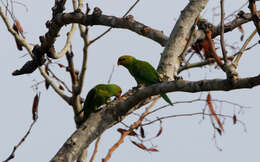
142, 132
19, 27
139, 145
61, 65
234, 119
153, 150
121, 130
159, 132
47, 84
242, 32
35, 107
211, 109
18, 43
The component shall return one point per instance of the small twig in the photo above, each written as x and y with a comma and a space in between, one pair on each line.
241, 51
74, 78
95, 149
12, 155
59, 80
111, 74
199, 100
222, 41
237, 10
67, 44
190, 114
135, 125
196, 64
101, 35
212, 48
82, 74
202, 63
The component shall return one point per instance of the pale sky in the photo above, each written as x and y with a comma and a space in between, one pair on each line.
183, 138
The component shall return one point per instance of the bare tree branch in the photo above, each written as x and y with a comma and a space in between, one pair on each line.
12, 155
113, 113
241, 51
222, 42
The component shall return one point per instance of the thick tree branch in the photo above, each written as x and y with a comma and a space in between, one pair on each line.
119, 109
48, 40
170, 62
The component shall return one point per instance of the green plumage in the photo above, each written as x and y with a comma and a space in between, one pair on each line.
143, 72
98, 96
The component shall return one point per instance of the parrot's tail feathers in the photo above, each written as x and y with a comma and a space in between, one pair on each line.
166, 98
86, 114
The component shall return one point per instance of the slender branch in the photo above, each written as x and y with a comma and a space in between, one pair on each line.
67, 44
198, 100
188, 115
111, 74
222, 41
54, 86
84, 62
12, 155
70, 68
14, 33
101, 35
125, 133
196, 64
241, 51
213, 50
237, 10
95, 149
59, 80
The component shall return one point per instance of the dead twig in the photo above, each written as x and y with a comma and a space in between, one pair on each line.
241, 51
12, 155
95, 149
108, 30
125, 133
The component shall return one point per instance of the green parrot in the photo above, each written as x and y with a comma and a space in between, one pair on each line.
98, 96
143, 72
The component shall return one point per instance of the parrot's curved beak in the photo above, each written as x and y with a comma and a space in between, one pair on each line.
118, 96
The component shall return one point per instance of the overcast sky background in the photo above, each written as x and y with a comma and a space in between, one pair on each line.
183, 138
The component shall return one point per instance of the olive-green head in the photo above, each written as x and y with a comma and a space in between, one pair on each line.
115, 90
125, 60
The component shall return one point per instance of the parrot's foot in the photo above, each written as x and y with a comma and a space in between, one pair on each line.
178, 78
138, 86
108, 101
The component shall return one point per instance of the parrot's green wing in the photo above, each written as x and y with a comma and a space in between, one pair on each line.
89, 104
144, 73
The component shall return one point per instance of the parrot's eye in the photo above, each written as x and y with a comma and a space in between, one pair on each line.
121, 59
